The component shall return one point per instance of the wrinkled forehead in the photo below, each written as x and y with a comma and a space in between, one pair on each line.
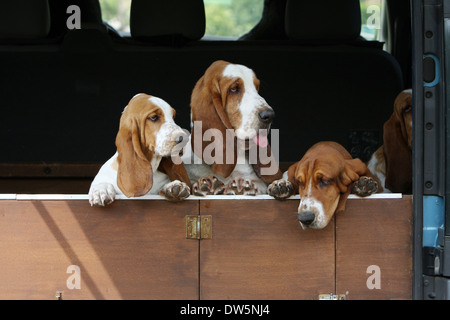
328, 170
318, 167
168, 111
239, 71
143, 105
403, 99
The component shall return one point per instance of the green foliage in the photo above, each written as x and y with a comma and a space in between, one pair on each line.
364, 5
117, 13
223, 17
368, 19
232, 17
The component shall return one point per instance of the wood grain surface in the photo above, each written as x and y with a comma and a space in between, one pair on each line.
137, 249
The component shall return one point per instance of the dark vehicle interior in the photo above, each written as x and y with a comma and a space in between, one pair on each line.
63, 91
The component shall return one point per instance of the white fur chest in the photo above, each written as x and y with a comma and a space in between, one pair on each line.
159, 178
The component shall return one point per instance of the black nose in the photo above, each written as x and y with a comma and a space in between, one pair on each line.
179, 139
267, 115
306, 217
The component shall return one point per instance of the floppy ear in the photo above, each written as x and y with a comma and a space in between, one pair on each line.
291, 176
174, 171
266, 168
134, 175
351, 171
207, 106
397, 156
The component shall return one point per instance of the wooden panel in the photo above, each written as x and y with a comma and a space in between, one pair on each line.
259, 251
133, 250
136, 249
375, 233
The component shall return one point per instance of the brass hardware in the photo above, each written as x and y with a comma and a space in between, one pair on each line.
58, 295
198, 227
206, 227
332, 296
192, 227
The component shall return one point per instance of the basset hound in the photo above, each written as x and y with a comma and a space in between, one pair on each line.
392, 162
230, 123
142, 164
324, 178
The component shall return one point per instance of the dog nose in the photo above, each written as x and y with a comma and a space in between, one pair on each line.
267, 115
180, 138
306, 218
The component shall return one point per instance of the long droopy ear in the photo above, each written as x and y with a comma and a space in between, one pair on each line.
207, 105
265, 166
351, 171
397, 155
291, 176
134, 176
174, 171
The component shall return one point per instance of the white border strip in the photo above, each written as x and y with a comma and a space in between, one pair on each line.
158, 197
8, 196
52, 197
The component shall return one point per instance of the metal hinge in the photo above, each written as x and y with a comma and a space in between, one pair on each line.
59, 295
198, 227
331, 296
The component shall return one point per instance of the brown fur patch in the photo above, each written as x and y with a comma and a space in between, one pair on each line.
135, 143
232, 90
326, 173
397, 141
215, 102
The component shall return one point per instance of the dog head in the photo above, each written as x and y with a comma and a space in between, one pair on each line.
324, 178
147, 130
226, 97
397, 145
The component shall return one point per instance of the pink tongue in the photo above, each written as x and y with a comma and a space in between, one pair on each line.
261, 141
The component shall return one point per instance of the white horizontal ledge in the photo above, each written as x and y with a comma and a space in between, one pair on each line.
378, 196
158, 197
8, 196
52, 197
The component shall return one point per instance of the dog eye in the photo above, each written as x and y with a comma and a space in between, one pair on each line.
407, 108
234, 90
324, 182
153, 118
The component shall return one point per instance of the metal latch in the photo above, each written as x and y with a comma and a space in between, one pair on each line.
198, 227
331, 296
59, 295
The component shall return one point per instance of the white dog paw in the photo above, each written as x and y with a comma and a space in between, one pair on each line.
102, 194
175, 191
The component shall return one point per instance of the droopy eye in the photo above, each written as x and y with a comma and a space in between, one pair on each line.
234, 89
153, 118
407, 108
324, 182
